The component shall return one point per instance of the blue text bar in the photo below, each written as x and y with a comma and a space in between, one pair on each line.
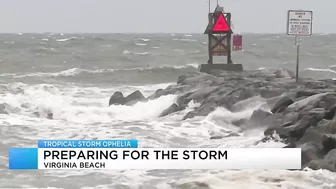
22, 158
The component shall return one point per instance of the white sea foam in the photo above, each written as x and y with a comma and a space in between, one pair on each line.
136, 53
140, 44
321, 70
188, 40
143, 39
66, 39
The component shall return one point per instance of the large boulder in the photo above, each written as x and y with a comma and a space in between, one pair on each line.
310, 152
158, 93
297, 130
201, 94
307, 103
328, 162
203, 110
327, 126
118, 98
171, 109
258, 116
282, 104
329, 142
135, 97
306, 93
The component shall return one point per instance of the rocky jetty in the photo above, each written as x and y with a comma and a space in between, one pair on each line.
301, 114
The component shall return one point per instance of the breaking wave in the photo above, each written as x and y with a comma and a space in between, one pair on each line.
78, 71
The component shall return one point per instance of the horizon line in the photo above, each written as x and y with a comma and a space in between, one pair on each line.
278, 33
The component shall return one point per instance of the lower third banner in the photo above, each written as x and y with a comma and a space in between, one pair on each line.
154, 158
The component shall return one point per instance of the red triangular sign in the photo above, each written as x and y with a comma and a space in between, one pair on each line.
221, 25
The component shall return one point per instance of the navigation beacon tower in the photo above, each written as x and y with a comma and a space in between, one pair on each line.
219, 41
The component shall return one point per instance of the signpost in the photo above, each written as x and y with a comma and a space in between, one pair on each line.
299, 24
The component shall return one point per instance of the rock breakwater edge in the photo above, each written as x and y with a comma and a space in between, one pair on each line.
302, 115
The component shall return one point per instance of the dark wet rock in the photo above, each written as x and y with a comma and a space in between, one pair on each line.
117, 99
294, 126
329, 142
307, 103
170, 90
190, 115
282, 104
171, 109
216, 137
317, 113
257, 116
272, 101
134, 97
158, 93
203, 110
247, 93
201, 94
330, 114
3, 109
197, 96
328, 162
194, 78
227, 101
309, 152
183, 100
297, 130
311, 135
270, 93
301, 93
239, 122
232, 135
327, 102
272, 122
327, 126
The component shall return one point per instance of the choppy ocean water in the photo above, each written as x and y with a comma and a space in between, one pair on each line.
73, 76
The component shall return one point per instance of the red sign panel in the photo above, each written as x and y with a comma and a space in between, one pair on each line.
237, 42
221, 25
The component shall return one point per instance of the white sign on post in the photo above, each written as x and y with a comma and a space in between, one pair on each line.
299, 22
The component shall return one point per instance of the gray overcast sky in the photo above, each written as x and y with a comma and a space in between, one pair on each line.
151, 16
